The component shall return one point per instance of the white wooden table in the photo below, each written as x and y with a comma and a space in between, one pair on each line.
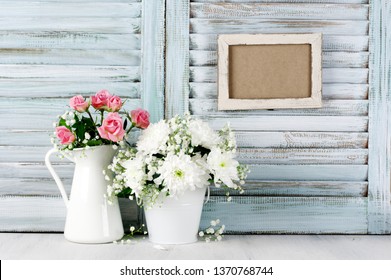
303, 247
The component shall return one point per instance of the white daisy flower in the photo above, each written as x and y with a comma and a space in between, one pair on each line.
179, 173
202, 134
223, 166
153, 138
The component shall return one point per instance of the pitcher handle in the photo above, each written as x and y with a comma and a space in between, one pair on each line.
55, 176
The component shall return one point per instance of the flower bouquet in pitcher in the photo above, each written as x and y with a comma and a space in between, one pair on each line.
89, 135
171, 170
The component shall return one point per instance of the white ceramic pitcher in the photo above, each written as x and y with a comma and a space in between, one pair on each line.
90, 218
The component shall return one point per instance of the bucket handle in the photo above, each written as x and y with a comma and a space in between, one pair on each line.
55, 176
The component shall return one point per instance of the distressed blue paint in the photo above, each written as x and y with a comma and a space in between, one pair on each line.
379, 210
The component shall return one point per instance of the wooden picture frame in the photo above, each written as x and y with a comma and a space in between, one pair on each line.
269, 71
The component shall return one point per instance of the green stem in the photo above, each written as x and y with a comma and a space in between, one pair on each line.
101, 116
130, 128
92, 119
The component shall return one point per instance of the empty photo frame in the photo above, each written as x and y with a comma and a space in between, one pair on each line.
269, 71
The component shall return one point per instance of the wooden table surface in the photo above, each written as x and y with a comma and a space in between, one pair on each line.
277, 247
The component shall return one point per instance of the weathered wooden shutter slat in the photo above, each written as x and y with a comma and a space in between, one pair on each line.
356, 43
224, 10
329, 91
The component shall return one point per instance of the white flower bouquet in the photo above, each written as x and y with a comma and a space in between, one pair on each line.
175, 156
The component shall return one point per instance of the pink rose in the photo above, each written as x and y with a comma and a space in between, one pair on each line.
112, 128
114, 103
79, 104
65, 135
140, 118
100, 100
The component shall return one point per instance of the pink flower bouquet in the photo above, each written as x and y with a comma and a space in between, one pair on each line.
96, 121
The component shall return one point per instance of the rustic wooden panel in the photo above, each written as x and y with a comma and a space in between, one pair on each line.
298, 156
253, 214
70, 57
69, 73
47, 187
60, 24
356, 43
329, 91
308, 172
68, 40
208, 74
298, 189
232, 26
329, 108
292, 123
278, 1
330, 59
279, 11
66, 89
36, 170
300, 139
288, 214
379, 194
177, 57
71, 10
153, 73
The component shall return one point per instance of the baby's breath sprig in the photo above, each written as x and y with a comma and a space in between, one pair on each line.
212, 233
130, 237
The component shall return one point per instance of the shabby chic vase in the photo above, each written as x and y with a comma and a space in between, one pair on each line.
175, 220
90, 218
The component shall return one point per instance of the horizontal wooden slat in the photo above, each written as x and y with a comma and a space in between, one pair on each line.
39, 186
67, 89
291, 123
329, 91
119, 1
308, 172
47, 213
89, 25
347, 43
245, 155
299, 188
288, 214
35, 170
301, 156
329, 108
208, 74
263, 139
32, 187
70, 57
68, 73
232, 26
18, 137
330, 59
253, 214
68, 40
64, 9
275, 1
278, 11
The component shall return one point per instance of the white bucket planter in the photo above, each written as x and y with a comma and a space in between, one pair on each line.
176, 221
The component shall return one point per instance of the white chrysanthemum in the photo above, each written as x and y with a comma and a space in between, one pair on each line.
134, 174
154, 138
202, 134
179, 173
224, 166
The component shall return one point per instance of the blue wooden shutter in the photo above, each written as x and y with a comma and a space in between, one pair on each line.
50, 51
313, 170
